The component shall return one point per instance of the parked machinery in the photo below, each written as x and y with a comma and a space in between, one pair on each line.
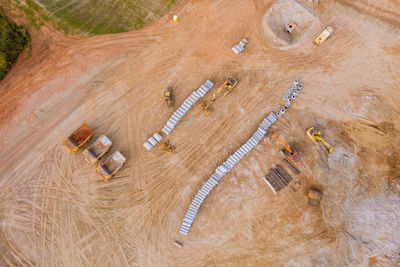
324, 35
227, 87
81, 136
169, 97
315, 135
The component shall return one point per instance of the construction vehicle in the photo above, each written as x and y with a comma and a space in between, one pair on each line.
97, 150
168, 97
324, 35
205, 107
293, 156
167, 147
111, 166
315, 135
290, 27
227, 86
81, 136
314, 196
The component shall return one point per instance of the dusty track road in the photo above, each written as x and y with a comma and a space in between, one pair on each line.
55, 211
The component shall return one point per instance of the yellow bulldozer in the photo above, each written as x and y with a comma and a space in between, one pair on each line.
315, 135
168, 97
227, 86
206, 108
167, 147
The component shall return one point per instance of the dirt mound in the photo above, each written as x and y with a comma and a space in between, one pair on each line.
281, 14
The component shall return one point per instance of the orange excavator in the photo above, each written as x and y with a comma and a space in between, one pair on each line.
293, 156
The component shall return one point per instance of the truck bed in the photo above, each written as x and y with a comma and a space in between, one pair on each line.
80, 135
97, 149
111, 165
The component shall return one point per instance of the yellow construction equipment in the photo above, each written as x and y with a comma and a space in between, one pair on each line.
324, 35
81, 136
167, 147
227, 86
111, 166
315, 135
290, 27
293, 156
97, 150
168, 97
205, 107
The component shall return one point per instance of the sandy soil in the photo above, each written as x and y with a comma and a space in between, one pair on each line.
55, 211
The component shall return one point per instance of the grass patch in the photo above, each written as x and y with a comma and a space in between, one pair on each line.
13, 40
94, 17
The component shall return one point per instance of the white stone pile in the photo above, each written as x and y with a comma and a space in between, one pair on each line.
240, 46
226, 166
186, 105
152, 141
179, 113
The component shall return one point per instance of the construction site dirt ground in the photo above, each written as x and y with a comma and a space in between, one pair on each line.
56, 211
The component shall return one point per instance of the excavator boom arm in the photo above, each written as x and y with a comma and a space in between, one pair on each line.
283, 143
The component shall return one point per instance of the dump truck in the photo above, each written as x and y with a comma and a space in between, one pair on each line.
324, 35
81, 136
111, 166
97, 150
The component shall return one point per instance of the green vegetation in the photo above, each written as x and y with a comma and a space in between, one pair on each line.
93, 17
13, 40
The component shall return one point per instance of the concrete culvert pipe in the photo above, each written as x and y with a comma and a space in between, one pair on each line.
286, 108
293, 97
287, 104
296, 82
290, 99
278, 114
300, 86
283, 111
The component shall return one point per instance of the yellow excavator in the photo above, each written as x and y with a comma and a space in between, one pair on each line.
205, 107
167, 147
227, 86
315, 135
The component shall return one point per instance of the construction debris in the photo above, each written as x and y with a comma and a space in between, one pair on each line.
226, 166
240, 46
277, 179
